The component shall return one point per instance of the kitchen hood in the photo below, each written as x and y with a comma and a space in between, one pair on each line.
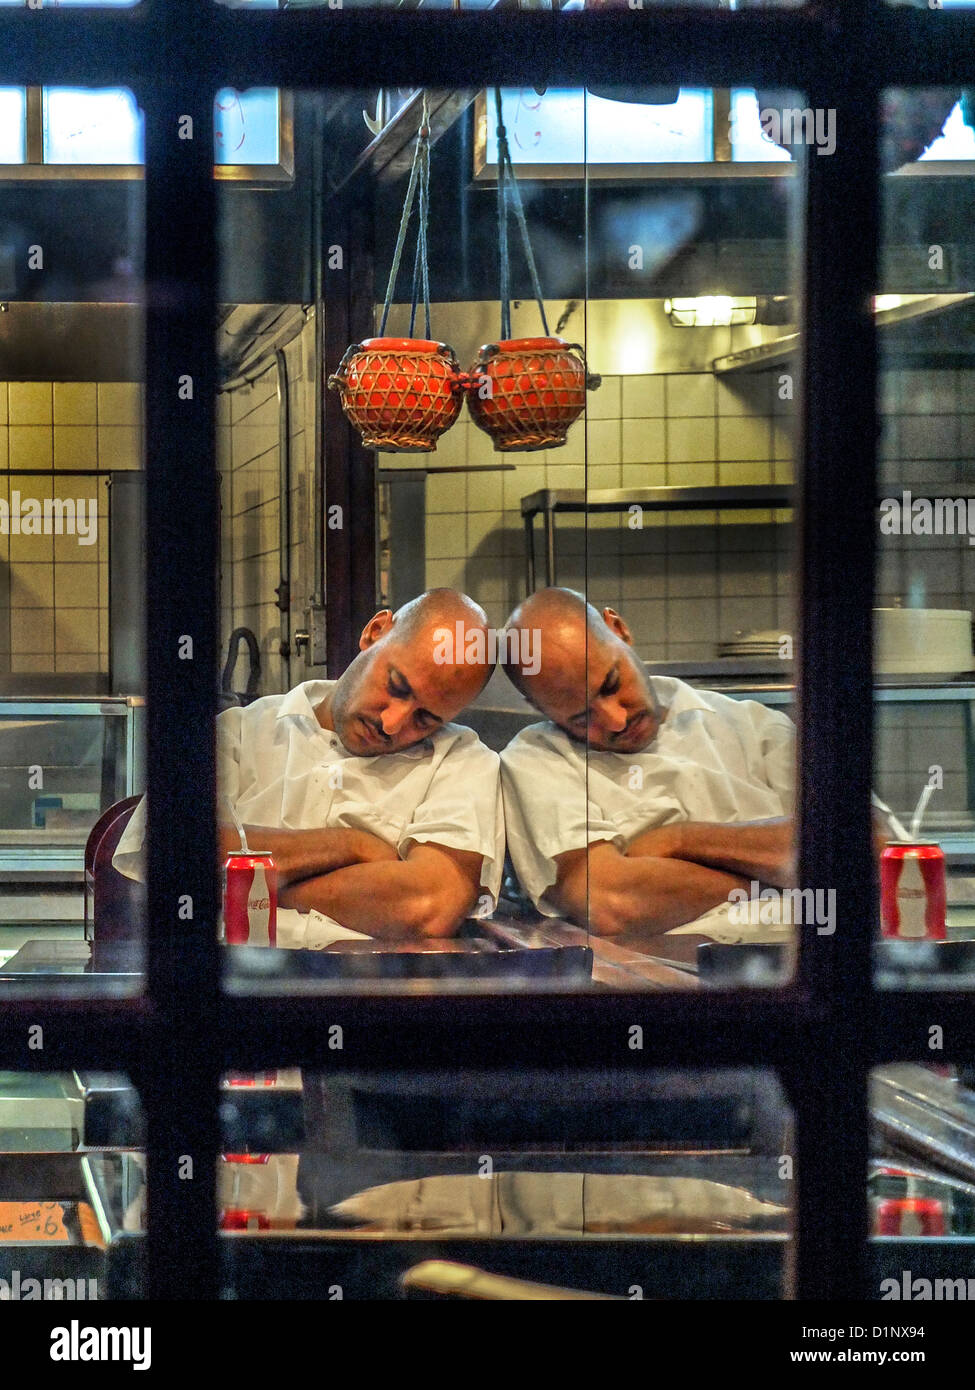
105, 342
935, 328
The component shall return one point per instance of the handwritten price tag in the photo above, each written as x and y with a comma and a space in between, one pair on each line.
30, 1221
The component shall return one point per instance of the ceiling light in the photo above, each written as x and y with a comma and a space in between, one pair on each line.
711, 311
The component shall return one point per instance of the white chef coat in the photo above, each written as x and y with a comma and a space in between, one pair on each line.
712, 759
278, 767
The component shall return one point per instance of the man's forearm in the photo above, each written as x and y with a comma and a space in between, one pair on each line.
762, 850
636, 898
384, 899
300, 854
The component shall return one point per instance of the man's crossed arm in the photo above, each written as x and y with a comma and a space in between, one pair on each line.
359, 879
672, 874
636, 896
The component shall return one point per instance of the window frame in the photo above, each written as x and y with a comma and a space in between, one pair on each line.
35, 169
826, 1028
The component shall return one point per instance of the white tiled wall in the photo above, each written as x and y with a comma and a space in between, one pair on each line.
687, 582
928, 441
683, 581
54, 591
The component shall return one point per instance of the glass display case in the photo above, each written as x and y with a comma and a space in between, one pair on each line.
62, 763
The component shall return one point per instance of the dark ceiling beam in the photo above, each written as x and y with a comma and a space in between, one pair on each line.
810, 45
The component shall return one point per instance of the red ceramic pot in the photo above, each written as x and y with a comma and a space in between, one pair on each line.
526, 392
400, 393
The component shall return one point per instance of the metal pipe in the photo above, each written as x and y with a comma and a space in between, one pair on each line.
283, 590
317, 595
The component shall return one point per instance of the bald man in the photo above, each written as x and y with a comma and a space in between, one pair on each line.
686, 794
381, 813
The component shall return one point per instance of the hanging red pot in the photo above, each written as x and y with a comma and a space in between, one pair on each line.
400, 393
526, 392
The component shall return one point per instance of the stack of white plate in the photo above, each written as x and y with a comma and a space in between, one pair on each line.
750, 644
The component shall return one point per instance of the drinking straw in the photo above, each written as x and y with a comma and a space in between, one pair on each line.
239, 826
920, 808
892, 820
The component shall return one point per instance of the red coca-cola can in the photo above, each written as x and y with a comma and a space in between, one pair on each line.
250, 900
238, 1219
913, 893
909, 1216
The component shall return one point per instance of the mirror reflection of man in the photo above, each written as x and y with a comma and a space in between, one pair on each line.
687, 794
380, 811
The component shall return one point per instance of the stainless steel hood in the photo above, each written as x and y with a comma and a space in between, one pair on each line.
921, 319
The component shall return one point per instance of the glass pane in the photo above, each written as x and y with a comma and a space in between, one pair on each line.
247, 126
71, 555
72, 1182
13, 125
683, 546
598, 1187
105, 127
751, 141
682, 298
86, 127
922, 1179
549, 129
925, 587
409, 877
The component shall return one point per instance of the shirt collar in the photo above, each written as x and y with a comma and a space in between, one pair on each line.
304, 699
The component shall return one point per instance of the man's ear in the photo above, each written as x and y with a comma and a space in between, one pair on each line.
376, 627
616, 624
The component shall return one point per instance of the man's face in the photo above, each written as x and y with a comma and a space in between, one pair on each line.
606, 701
394, 694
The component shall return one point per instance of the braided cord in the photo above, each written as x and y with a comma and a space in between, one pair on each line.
419, 176
508, 189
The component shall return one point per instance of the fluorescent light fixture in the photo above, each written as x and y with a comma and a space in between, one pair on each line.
711, 311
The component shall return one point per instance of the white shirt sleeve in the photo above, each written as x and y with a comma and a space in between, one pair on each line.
229, 732
129, 856
546, 810
462, 810
776, 736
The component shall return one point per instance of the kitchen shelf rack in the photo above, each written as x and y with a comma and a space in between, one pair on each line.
548, 502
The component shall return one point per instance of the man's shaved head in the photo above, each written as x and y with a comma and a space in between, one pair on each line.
437, 608
562, 616
408, 678
586, 677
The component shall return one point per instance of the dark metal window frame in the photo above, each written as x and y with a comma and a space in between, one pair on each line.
825, 1029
